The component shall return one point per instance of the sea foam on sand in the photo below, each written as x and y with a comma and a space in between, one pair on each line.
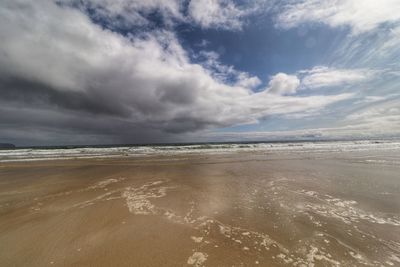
197, 259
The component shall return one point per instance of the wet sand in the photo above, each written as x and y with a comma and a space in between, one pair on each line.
234, 209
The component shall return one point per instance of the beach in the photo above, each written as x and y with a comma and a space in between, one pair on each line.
300, 206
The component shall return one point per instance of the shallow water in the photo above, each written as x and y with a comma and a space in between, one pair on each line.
314, 208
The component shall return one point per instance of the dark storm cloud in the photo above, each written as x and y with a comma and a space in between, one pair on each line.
31, 93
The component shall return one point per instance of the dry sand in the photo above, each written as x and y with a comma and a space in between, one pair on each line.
238, 209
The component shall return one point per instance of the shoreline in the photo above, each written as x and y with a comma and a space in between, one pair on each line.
26, 155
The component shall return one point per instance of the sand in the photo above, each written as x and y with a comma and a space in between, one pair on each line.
232, 209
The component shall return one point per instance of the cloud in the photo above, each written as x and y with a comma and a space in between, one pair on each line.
217, 14
378, 113
245, 80
359, 131
371, 99
283, 84
377, 119
128, 13
393, 40
66, 74
322, 76
360, 16
224, 73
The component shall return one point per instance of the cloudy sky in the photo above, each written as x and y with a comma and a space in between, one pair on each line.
134, 71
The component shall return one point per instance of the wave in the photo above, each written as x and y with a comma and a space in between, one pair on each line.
28, 154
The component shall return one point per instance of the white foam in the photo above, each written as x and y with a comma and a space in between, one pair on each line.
138, 198
104, 183
315, 254
344, 210
197, 259
197, 239
297, 147
394, 258
103, 197
284, 258
359, 258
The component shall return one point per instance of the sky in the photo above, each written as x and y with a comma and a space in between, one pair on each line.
157, 71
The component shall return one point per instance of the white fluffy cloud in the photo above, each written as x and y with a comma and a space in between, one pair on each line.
226, 74
322, 76
220, 14
283, 84
129, 12
217, 14
360, 16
